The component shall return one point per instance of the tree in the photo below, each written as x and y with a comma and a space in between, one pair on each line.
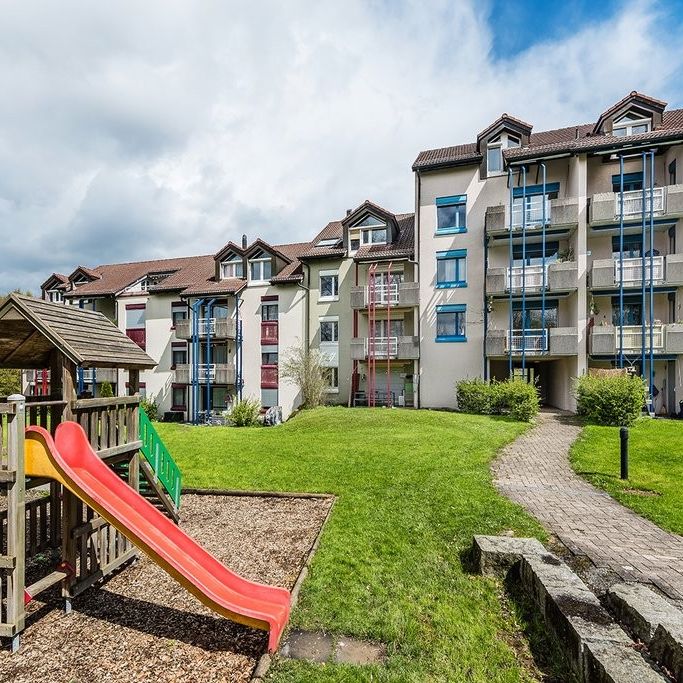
106, 390
306, 370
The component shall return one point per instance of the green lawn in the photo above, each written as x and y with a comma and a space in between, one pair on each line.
413, 487
655, 466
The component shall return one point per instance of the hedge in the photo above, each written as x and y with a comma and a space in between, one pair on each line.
616, 400
513, 397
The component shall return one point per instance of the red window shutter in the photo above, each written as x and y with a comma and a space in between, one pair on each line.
269, 332
269, 377
139, 337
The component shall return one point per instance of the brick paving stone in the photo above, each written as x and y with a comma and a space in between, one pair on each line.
534, 471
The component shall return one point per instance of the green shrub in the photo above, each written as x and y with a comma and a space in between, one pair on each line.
616, 400
245, 413
513, 397
150, 408
106, 390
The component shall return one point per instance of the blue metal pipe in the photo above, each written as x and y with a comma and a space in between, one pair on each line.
643, 249
523, 271
621, 262
209, 309
510, 259
652, 272
543, 330
195, 360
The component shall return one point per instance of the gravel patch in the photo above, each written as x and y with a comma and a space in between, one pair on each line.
143, 626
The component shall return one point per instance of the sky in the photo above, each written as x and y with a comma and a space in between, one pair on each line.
139, 130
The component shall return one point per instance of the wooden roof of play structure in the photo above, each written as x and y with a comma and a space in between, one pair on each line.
31, 328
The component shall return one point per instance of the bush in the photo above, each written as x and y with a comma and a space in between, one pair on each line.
616, 400
513, 397
305, 369
151, 408
106, 390
245, 413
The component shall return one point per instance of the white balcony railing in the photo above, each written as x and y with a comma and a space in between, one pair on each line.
207, 326
530, 277
633, 269
633, 202
531, 214
381, 347
382, 295
529, 341
633, 337
205, 369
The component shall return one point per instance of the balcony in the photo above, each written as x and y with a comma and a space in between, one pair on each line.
385, 348
220, 328
558, 213
397, 294
605, 339
554, 341
216, 373
560, 277
666, 270
666, 202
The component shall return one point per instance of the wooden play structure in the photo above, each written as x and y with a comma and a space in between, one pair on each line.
78, 451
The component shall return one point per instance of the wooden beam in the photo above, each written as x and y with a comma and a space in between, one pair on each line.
8, 357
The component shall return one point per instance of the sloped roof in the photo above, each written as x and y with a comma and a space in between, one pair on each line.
403, 247
30, 329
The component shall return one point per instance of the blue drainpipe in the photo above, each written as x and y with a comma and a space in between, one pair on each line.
643, 249
209, 309
510, 259
621, 262
523, 271
546, 340
652, 270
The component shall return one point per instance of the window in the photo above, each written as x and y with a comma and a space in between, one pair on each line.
370, 230
55, 296
451, 214
329, 285
178, 312
672, 172
268, 312
268, 398
534, 317
178, 354
135, 324
233, 267
260, 267
494, 152
385, 328
451, 269
374, 236
332, 376
532, 253
451, 323
329, 331
633, 246
633, 310
631, 124
331, 242
632, 181
269, 358
178, 397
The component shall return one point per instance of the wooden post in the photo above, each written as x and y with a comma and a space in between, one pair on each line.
133, 430
56, 393
16, 519
69, 502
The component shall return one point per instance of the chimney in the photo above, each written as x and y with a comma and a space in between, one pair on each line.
348, 212
244, 241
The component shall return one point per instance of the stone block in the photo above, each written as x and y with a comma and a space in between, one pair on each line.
667, 648
605, 662
496, 555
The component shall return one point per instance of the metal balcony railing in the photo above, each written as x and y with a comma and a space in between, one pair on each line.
633, 202
529, 276
382, 295
633, 269
381, 347
633, 337
529, 341
206, 326
530, 214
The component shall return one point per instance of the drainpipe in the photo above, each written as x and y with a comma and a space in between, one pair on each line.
209, 309
621, 262
652, 272
544, 331
486, 307
239, 382
510, 317
523, 271
307, 305
418, 364
643, 260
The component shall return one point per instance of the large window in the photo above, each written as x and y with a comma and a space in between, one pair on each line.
329, 330
370, 230
329, 286
451, 323
494, 152
268, 312
332, 377
135, 324
633, 310
260, 267
534, 317
178, 312
531, 254
631, 124
178, 397
232, 267
178, 354
633, 246
451, 269
451, 214
632, 181
389, 328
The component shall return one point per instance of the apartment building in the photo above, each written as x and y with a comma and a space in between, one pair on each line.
546, 254
540, 255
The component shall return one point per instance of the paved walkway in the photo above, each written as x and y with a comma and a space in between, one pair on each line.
534, 471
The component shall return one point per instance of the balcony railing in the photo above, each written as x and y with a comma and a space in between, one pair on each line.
528, 341
393, 294
633, 202
530, 277
530, 215
633, 337
633, 269
381, 347
219, 328
219, 373
382, 295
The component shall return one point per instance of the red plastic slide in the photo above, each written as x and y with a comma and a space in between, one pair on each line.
71, 460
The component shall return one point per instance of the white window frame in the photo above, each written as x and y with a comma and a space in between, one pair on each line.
332, 388
329, 319
333, 274
501, 142
260, 262
627, 125
55, 296
232, 265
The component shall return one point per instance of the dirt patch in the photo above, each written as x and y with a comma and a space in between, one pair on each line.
142, 626
642, 492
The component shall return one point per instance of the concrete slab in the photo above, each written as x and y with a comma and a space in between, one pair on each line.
605, 662
496, 555
312, 646
642, 610
359, 652
666, 647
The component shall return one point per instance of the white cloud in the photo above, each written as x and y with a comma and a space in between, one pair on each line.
134, 130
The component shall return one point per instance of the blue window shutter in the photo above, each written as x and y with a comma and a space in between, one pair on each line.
453, 199
454, 253
535, 189
451, 308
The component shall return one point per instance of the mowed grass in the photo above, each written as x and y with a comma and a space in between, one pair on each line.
655, 485
413, 488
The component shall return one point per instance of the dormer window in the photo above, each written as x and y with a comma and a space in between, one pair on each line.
260, 267
328, 243
55, 296
631, 124
371, 230
232, 267
494, 152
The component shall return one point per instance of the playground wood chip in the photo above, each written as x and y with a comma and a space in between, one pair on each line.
142, 626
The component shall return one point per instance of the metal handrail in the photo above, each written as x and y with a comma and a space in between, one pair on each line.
633, 269
382, 347
633, 202
529, 276
633, 337
526, 340
383, 294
